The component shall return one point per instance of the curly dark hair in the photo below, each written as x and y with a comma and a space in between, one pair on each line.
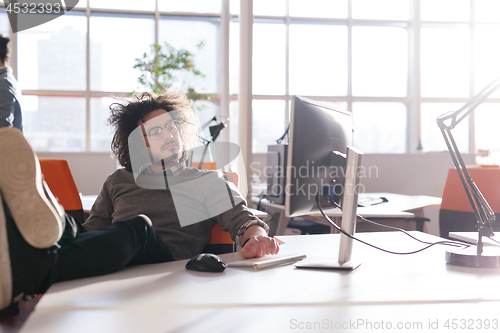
4, 49
126, 113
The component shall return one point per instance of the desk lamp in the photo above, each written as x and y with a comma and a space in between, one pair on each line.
214, 133
478, 256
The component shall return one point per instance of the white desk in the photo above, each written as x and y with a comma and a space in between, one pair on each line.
399, 206
168, 298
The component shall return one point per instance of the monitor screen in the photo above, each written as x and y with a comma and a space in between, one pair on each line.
319, 136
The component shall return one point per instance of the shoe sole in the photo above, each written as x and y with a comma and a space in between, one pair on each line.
39, 221
5, 268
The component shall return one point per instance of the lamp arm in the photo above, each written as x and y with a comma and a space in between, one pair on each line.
459, 115
484, 214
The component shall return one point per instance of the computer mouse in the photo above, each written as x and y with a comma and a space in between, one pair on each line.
206, 262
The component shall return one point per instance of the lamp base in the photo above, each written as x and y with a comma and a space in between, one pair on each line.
467, 257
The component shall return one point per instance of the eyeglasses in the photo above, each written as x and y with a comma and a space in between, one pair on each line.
156, 132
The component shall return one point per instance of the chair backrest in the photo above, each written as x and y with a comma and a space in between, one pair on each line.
205, 166
58, 177
456, 212
220, 241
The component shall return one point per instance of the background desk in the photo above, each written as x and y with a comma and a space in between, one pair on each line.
399, 206
88, 201
419, 288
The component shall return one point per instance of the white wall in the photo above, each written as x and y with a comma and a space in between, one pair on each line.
89, 169
412, 174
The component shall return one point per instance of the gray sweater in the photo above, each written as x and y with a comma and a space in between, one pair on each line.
10, 109
166, 200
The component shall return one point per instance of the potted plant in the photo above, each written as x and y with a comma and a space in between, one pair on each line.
164, 64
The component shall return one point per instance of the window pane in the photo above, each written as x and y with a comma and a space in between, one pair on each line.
115, 42
268, 123
318, 8
486, 56
124, 4
54, 55
234, 57
379, 127
318, 60
445, 62
379, 10
269, 7
432, 139
268, 59
81, 4
100, 133
4, 23
487, 10
186, 34
55, 123
192, 6
445, 10
487, 118
234, 7
380, 61
234, 117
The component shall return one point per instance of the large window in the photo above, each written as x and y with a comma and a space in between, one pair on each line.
396, 70
72, 68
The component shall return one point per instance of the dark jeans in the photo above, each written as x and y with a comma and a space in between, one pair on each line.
133, 241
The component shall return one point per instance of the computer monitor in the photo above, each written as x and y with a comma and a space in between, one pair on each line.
322, 163
318, 140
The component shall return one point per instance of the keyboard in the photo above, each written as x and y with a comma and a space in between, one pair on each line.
267, 261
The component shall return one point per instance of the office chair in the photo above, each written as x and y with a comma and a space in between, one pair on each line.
456, 213
220, 241
58, 177
61, 183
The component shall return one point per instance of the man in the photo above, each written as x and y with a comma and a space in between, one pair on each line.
10, 109
152, 140
40, 245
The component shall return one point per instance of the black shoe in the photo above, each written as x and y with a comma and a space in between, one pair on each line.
24, 270
38, 215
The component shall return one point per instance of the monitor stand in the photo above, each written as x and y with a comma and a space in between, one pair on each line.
328, 263
349, 217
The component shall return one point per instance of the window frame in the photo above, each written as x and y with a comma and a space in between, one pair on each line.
413, 100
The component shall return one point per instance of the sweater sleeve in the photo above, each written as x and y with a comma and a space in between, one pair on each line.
102, 210
239, 218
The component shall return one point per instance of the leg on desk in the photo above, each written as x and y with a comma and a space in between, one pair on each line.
132, 241
26, 270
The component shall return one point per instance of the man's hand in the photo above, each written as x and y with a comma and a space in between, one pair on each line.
257, 246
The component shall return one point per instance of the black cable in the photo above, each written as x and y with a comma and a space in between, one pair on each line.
280, 140
263, 196
452, 243
493, 240
376, 247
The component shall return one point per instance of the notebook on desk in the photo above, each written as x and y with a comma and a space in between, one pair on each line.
267, 261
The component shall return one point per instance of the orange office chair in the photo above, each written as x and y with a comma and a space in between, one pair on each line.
456, 213
58, 177
220, 241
